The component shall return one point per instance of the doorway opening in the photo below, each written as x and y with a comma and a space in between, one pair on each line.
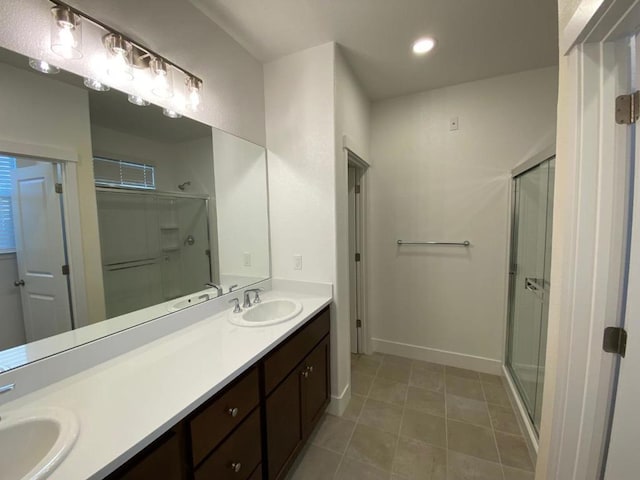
357, 168
33, 250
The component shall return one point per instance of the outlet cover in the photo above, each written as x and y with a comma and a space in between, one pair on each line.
453, 123
297, 262
247, 259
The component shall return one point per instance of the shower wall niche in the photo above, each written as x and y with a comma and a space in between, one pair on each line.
529, 282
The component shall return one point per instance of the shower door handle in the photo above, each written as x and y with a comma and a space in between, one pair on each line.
532, 285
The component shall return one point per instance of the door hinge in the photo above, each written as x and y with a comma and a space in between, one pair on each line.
615, 340
358, 323
628, 108
65, 269
58, 188
357, 257
357, 188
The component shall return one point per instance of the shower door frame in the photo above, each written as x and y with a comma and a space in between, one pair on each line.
547, 154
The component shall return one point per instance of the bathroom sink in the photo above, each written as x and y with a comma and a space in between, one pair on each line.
268, 312
34, 442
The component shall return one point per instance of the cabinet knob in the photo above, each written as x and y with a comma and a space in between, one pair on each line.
233, 412
19, 283
236, 466
305, 373
310, 368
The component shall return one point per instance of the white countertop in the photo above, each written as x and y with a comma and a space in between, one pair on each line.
126, 403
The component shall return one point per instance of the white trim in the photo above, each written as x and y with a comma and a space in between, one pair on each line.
444, 357
339, 403
586, 277
349, 144
577, 25
75, 250
38, 151
523, 418
537, 159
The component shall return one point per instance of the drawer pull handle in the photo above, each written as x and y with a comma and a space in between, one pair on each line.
236, 466
233, 412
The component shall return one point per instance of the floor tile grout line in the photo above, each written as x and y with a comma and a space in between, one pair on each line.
493, 432
404, 407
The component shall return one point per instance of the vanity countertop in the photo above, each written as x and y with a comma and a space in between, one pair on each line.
127, 402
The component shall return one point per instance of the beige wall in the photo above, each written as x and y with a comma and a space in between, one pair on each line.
430, 183
38, 110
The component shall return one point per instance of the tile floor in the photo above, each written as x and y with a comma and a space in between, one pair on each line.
416, 420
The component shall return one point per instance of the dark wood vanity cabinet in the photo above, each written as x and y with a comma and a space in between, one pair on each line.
294, 406
256, 426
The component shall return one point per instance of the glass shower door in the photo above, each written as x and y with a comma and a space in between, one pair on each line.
529, 283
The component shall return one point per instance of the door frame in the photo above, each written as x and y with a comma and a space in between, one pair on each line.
352, 159
68, 160
588, 244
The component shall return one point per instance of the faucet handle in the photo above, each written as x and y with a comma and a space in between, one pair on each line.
236, 308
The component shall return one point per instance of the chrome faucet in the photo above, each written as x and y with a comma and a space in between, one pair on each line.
247, 297
218, 288
236, 308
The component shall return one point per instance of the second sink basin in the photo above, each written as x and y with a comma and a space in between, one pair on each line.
34, 442
268, 312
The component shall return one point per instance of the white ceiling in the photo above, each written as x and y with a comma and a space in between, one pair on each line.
476, 38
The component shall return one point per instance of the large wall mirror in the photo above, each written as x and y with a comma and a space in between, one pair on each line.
137, 215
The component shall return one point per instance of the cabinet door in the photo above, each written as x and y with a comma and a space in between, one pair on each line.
284, 431
162, 459
315, 386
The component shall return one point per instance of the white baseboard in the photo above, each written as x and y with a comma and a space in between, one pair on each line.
453, 359
338, 404
523, 417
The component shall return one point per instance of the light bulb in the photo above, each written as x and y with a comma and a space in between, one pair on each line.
137, 100
66, 33
42, 66
170, 113
162, 80
119, 63
96, 85
194, 95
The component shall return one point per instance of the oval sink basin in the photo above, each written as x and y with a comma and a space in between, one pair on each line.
34, 442
268, 312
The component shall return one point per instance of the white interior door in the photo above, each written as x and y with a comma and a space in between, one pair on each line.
623, 461
40, 251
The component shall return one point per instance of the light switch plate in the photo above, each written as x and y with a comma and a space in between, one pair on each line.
247, 259
297, 262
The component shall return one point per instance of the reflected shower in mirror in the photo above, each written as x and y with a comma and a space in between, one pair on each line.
113, 214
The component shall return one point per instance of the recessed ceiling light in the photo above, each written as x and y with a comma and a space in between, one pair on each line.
42, 66
423, 45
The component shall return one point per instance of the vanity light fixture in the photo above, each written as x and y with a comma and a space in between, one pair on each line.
162, 78
194, 93
43, 67
167, 112
119, 50
137, 100
423, 45
96, 85
66, 33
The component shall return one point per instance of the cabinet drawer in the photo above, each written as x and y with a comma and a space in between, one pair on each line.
221, 416
281, 362
238, 456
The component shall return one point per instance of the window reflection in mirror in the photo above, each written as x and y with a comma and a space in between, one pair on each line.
112, 214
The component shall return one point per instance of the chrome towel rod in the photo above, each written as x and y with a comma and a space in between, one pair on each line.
466, 243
